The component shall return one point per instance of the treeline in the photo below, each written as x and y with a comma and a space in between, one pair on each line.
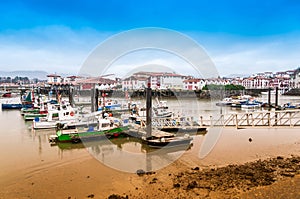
223, 87
17, 79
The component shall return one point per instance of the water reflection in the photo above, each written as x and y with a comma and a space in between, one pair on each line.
129, 153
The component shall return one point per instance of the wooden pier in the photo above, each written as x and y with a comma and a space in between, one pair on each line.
262, 119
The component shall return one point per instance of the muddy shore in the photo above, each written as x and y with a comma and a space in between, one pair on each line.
259, 179
236, 168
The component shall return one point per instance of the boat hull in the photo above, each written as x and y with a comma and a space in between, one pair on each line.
169, 142
15, 106
89, 135
32, 116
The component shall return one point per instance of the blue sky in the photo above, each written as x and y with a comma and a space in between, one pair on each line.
239, 36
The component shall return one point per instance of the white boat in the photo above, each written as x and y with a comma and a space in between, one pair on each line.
109, 104
109, 127
225, 102
161, 109
62, 113
250, 105
273, 92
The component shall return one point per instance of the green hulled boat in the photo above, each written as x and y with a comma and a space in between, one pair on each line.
32, 116
107, 127
29, 110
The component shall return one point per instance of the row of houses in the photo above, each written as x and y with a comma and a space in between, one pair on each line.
167, 80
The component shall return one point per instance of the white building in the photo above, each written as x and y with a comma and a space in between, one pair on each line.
256, 83
157, 80
54, 79
194, 84
167, 81
134, 83
217, 81
297, 79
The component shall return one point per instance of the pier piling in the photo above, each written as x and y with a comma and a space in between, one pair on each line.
148, 111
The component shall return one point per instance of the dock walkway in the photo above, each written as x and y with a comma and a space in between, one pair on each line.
261, 119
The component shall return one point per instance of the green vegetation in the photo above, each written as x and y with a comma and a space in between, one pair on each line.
222, 87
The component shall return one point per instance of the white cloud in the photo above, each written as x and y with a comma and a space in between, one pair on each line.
62, 50
53, 49
257, 57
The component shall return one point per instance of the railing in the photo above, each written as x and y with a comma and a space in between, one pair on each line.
286, 118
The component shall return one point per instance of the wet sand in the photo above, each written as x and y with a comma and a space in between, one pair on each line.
86, 177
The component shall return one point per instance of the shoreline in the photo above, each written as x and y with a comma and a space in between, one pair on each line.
86, 177
232, 181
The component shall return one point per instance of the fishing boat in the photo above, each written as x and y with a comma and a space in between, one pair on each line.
61, 113
170, 141
107, 127
11, 106
6, 94
225, 102
108, 104
29, 110
26, 102
32, 116
290, 106
40, 111
251, 105
161, 109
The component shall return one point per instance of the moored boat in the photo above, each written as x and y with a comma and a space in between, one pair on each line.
170, 142
225, 102
107, 127
251, 104
62, 113
6, 94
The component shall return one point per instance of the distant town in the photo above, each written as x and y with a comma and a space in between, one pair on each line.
284, 80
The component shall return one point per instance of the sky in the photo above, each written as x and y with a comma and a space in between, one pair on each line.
240, 37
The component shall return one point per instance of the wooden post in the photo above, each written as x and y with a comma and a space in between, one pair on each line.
93, 99
269, 98
96, 99
148, 111
236, 121
71, 100
276, 104
276, 98
201, 120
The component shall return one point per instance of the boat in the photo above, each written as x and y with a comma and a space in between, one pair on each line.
172, 141
61, 113
108, 127
244, 101
41, 105
11, 106
26, 103
41, 111
273, 92
225, 102
32, 116
29, 110
290, 106
251, 104
6, 106
109, 105
161, 109
6, 94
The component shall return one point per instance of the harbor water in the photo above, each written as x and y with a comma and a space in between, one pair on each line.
24, 151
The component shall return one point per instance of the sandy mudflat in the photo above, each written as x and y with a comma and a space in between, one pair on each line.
266, 167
